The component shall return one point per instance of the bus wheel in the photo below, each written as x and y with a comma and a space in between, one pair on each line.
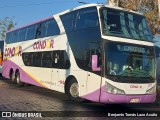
73, 91
12, 77
18, 81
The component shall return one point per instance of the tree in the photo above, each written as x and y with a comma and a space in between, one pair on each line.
6, 24
148, 8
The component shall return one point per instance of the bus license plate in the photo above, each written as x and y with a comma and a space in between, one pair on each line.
134, 100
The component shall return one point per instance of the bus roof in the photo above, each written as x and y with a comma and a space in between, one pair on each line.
77, 8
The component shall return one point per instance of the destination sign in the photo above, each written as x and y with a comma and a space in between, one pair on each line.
132, 49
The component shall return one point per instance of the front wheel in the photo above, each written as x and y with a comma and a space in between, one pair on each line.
18, 81
73, 91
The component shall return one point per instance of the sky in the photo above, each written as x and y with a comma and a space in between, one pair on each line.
29, 11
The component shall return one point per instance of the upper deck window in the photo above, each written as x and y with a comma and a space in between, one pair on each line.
30, 32
87, 18
125, 24
80, 19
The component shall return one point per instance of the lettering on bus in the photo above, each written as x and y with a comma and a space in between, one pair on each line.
132, 49
14, 51
135, 86
45, 44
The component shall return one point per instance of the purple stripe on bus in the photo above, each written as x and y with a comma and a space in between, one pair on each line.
7, 65
31, 24
113, 99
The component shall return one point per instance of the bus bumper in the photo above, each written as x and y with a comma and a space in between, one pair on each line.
113, 99
102, 96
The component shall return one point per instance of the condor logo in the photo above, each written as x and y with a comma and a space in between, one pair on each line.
135, 86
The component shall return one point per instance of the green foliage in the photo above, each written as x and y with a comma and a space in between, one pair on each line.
6, 24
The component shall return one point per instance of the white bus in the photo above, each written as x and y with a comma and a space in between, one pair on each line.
95, 52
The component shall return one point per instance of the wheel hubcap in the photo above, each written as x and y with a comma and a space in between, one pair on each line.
12, 77
17, 78
74, 90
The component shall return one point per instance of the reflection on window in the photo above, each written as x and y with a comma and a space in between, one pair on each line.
130, 63
21, 34
27, 59
30, 32
52, 28
68, 20
37, 59
42, 29
125, 24
87, 18
48, 59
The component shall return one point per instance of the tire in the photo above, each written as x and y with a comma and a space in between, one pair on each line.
18, 81
73, 91
12, 77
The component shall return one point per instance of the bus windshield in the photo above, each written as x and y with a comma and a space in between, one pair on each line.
125, 24
126, 60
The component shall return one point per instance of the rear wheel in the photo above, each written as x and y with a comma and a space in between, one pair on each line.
73, 91
18, 81
12, 76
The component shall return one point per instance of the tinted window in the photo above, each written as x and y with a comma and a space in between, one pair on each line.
27, 59
30, 32
8, 37
68, 21
52, 28
125, 24
87, 18
64, 60
86, 37
47, 59
22, 34
55, 59
37, 56
40, 30
15, 36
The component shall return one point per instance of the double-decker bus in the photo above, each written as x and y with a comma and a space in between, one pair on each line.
96, 52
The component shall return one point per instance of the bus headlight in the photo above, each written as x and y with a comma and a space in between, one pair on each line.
151, 90
111, 89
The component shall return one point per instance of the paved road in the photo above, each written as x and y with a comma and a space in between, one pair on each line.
34, 99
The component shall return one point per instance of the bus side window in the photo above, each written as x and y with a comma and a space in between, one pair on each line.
27, 59
55, 59
51, 28
30, 34
37, 57
64, 60
68, 21
47, 59
87, 18
15, 36
40, 30
9, 37
21, 35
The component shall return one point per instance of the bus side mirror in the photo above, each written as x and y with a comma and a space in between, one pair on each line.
95, 63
